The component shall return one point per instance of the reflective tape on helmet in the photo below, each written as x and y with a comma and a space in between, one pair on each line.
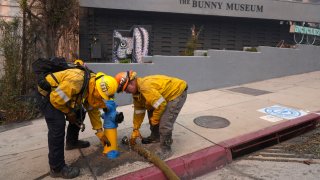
157, 103
123, 80
62, 94
103, 85
139, 111
106, 85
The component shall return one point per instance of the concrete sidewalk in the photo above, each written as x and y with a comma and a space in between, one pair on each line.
23, 150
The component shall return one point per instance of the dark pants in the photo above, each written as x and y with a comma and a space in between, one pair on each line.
56, 123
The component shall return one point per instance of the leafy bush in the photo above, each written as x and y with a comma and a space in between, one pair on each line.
251, 49
127, 60
12, 106
192, 43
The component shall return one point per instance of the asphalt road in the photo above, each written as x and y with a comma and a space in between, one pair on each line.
295, 159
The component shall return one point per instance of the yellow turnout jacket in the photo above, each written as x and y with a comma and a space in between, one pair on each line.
153, 94
66, 89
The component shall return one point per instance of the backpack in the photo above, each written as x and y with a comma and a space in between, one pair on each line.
43, 67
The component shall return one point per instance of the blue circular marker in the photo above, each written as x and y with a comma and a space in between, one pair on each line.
283, 112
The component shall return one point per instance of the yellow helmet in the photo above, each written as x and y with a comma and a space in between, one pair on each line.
106, 85
78, 62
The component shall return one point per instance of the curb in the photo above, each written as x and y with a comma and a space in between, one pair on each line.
187, 166
271, 135
215, 157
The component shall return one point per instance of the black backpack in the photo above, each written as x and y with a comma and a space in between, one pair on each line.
43, 67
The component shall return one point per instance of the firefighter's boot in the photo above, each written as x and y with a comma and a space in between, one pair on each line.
72, 138
165, 147
154, 136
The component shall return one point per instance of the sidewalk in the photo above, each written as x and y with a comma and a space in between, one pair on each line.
23, 150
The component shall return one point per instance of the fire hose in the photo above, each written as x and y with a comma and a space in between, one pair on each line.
152, 158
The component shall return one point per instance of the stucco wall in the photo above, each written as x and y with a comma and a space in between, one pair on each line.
222, 68
9, 9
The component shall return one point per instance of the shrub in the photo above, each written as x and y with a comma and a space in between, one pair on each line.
192, 43
251, 49
13, 105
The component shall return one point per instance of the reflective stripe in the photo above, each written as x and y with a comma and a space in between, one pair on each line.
157, 103
62, 94
139, 111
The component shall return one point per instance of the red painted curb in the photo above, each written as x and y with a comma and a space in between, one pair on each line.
187, 166
230, 143
215, 157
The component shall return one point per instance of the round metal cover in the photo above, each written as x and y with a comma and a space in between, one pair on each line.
213, 122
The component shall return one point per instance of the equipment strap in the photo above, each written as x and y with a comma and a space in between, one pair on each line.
55, 79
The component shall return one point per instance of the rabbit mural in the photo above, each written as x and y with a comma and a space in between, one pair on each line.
133, 46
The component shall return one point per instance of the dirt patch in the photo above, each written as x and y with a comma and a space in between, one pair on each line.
308, 143
128, 161
101, 164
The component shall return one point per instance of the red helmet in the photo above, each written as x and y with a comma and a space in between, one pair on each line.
123, 79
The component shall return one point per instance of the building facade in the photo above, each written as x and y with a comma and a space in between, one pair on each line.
9, 9
229, 24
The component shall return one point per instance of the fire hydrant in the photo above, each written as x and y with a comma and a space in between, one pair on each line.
111, 119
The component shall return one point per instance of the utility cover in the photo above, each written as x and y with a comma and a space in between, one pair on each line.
249, 91
212, 122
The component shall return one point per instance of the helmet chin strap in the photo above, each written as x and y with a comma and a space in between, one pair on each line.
128, 75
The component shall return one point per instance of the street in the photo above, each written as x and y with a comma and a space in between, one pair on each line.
295, 159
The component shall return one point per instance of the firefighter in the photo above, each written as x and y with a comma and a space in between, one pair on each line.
70, 89
162, 97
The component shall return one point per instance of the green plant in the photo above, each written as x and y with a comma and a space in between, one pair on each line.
192, 42
127, 60
251, 49
48, 28
12, 106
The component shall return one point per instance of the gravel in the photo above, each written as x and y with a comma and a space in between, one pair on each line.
308, 143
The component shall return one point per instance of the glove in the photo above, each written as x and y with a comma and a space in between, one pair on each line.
134, 135
71, 117
154, 121
103, 139
119, 117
